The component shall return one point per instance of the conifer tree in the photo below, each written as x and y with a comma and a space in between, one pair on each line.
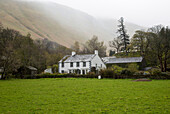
123, 34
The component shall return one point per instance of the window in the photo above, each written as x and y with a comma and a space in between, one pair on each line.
71, 64
62, 64
78, 64
84, 64
62, 71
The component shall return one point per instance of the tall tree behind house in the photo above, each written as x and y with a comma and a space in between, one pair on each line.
123, 34
160, 45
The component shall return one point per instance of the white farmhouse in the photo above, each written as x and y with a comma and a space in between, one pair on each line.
81, 64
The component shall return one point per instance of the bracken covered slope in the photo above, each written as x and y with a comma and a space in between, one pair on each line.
56, 22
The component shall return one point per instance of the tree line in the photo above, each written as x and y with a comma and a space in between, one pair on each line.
17, 50
152, 44
89, 46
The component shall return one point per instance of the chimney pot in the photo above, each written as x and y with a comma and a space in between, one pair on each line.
73, 53
96, 52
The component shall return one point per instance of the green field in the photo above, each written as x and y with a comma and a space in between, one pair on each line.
84, 96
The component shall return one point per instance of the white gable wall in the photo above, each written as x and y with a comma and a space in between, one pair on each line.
96, 61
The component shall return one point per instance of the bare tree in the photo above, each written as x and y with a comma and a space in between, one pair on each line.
116, 43
10, 60
76, 46
94, 44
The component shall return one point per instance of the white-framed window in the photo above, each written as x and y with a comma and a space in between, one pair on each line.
84, 64
78, 64
71, 64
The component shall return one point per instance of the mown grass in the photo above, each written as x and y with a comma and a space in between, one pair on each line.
69, 95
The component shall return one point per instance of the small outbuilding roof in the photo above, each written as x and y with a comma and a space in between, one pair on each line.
31, 68
77, 58
124, 60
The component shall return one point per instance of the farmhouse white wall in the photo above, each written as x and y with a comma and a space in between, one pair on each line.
67, 67
91, 61
97, 61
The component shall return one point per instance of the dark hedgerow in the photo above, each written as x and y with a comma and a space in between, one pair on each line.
107, 73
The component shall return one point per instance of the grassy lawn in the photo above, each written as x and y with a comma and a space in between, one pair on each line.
84, 96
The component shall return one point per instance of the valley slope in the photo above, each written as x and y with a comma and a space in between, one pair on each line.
56, 22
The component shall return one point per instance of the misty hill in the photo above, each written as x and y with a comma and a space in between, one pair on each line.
56, 22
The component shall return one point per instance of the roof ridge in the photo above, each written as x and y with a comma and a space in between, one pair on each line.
127, 57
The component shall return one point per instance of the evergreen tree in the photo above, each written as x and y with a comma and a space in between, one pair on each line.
123, 34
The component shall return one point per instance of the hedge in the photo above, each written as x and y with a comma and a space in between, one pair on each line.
109, 75
48, 75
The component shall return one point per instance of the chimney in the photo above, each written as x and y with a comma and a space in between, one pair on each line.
96, 52
73, 53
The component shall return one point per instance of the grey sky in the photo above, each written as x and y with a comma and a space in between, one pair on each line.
142, 12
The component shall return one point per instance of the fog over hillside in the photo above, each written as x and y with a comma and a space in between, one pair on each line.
58, 23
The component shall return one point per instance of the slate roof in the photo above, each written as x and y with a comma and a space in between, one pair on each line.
31, 68
106, 59
124, 60
147, 68
64, 58
77, 58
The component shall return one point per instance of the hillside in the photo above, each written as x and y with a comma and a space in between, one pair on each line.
56, 22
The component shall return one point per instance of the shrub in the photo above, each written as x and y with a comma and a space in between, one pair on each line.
165, 73
156, 72
107, 73
46, 75
133, 67
117, 69
55, 68
139, 73
91, 73
127, 72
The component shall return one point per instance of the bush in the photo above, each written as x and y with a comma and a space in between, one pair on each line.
55, 68
117, 69
165, 73
91, 73
107, 73
155, 72
127, 72
133, 67
46, 75
139, 73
